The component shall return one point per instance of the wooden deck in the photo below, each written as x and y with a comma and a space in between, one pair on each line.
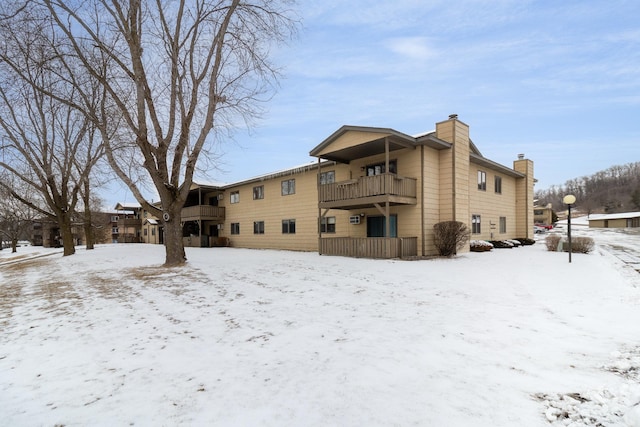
370, 247
368, 190
203, 212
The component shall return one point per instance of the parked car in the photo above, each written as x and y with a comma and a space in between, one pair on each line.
537, 229
545, 226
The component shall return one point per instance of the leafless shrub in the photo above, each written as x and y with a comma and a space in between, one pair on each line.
552, 242
582, 245
579, 245
450, 236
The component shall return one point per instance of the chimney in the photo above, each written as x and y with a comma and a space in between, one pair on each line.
453, 117
520, 156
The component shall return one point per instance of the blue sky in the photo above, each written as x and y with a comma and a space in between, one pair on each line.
557, 81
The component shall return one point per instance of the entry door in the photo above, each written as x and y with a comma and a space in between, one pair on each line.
376, 226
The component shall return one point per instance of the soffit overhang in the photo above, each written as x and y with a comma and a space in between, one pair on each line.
483, 161
355, 142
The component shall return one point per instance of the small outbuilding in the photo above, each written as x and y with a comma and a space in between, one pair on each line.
616, 220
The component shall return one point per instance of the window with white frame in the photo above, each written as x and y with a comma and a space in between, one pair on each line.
497, 183
235, 196
288, 187
475, 224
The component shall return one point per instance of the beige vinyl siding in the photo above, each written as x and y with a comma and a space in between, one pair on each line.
274, 208
432, 194
491, 205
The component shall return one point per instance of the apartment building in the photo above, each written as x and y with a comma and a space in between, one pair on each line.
372, 192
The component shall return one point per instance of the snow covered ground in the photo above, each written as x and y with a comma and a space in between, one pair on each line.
274, 338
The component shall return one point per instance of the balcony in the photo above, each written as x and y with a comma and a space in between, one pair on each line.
366, 191
203, 213
129, 222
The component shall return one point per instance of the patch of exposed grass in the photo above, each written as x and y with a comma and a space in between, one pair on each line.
23, 267
108, 287
171, 279
60, 296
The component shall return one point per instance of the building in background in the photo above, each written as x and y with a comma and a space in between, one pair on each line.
617, 220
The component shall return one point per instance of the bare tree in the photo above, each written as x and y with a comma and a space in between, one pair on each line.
42, 142
172, 76
16, 218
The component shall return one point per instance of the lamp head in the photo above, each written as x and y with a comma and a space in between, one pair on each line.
569, 199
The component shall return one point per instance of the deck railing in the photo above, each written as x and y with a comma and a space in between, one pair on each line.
202, 212
370, 247
368, 186
129, 222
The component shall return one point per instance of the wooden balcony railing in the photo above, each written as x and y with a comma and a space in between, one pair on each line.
368, 186
370, 247
129, 222
202, 212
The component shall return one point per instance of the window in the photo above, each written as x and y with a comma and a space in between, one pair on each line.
503, 224
258, 192
378, 168
235, 228
538, 212
482, 180
475, 224
327, 177
153, 231
145, 231
288, 187
114, 218
114, 230
288, 226
258, 227
498, 184
328, 224
235, 196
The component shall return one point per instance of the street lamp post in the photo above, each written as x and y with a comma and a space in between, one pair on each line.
569, 200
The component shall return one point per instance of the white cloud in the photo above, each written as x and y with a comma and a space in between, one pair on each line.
416, 48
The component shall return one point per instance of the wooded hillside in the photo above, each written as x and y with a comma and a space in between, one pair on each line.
616, 189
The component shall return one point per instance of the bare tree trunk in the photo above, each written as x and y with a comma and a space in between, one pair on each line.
67, 235
89, 233
174, 244
14, 245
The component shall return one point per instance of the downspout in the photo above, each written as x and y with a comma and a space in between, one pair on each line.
453, 174
319, 210
422, 198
